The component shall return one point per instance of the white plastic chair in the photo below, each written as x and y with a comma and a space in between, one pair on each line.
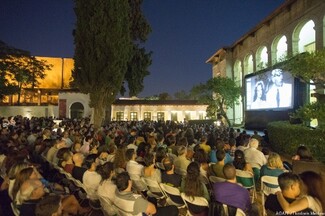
172, 193
265, 190
154, 188
246, 179
239, 212
196, 201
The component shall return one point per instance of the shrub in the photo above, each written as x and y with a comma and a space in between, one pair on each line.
285, 137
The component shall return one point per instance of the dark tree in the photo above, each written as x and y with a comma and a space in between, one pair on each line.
103, 45
140, 59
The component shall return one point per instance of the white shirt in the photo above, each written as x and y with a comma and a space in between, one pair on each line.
106, 194
314, 204
133, 167
91, 180
255, 157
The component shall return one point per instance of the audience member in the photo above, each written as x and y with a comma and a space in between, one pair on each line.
168, 176
313, 198
135, 204
254, 156
229, 192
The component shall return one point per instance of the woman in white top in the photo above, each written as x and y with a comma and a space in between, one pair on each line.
313, 198
106, 189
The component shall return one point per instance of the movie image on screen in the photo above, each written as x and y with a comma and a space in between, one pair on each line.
269, 90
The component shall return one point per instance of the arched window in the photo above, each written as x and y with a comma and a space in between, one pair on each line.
279, 49
304, 37
261, 58
248, 65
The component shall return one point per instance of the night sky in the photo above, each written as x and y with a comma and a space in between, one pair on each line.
185, 33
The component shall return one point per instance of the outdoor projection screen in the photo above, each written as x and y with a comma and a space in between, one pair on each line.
269, 90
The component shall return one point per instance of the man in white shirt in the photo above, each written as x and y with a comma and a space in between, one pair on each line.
254, 156
134, 169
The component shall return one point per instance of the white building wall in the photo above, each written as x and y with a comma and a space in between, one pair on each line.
29, 111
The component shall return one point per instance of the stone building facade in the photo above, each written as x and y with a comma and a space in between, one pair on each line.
295, 27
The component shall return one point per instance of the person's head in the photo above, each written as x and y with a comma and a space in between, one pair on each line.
193, 171
274, 161
277, 77
259, 92
160, 154
123, 181
303, 153
22, 176
168, 163
160, 138
16, 168
130, 154
220, 154
182, 142
106, 170
149, 159
200, 156
203, 139
314, 185
31, 189
90, 162
49, 206
289, 184
239, 160
229, 171
253, 143
78, 158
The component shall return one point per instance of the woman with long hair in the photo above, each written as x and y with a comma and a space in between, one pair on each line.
240, 162
313, 195
192, 185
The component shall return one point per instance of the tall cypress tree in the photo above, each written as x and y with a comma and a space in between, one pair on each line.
140, 59
103, 45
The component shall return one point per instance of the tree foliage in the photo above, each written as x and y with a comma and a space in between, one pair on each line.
219, 93
102, 50
308, 66
182, 95
140, 59
18, 70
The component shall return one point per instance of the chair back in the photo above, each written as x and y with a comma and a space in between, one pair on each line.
154, 188
173, 194
238, 211
195, 205
137, 183
246, 179
266, 190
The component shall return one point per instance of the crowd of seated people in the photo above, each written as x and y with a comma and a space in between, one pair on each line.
111, 163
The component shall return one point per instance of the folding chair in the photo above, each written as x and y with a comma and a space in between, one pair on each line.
239, 212
195, 205
266, 181
137, 183
108, 207
246, 179
154, 188
173, 195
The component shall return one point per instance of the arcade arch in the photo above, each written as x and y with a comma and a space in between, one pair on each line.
261, 58
248, 64
279, 49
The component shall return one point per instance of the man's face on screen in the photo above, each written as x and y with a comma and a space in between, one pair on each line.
277, 78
